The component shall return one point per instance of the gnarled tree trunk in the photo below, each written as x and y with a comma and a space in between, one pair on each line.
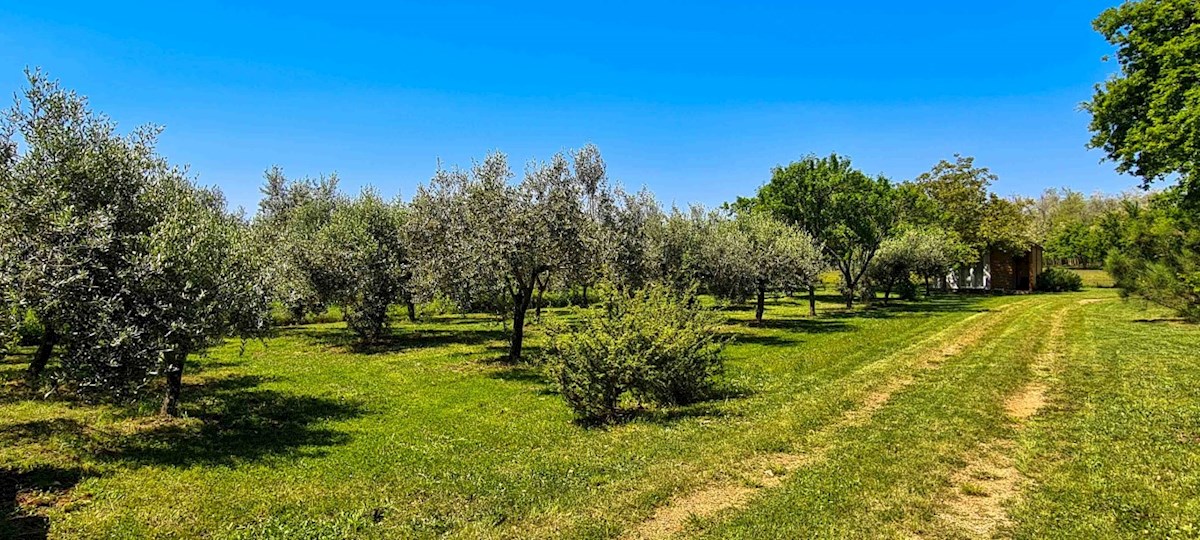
812, 300
520, 306
174, 372
42, 356
412, 310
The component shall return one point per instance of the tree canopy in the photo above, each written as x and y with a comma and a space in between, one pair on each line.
128, 265
1146, 118
848, 212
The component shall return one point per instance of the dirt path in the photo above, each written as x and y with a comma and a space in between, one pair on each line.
768, 471
984, 488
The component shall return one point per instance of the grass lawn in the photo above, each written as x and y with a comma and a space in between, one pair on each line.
893, 421
1094, 278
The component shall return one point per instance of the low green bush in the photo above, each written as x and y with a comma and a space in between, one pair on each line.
1059, 280
29, 328
655, 345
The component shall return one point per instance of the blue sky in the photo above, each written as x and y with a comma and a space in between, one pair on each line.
695, 100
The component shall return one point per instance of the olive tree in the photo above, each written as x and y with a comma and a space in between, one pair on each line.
365, 250
72, 213
128, 266
199, 280
756, 253
290, 215
628, 227
675, 247
935, 253
489, 243
892, 266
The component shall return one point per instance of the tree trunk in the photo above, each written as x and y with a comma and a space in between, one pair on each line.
174, 372
928, 291
760, 306
887, 293
412, 310
812, 300
520, 306
585, 298
849, 283
42, 356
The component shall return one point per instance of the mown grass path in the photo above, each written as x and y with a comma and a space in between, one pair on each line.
864, 424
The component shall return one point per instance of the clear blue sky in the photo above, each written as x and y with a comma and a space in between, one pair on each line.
696, 100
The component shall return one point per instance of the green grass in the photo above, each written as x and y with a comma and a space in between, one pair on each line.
306, 436
1119, 456
1094, 278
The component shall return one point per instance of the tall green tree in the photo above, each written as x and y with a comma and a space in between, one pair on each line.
199, 280
1146, 117
958, 195
846, 211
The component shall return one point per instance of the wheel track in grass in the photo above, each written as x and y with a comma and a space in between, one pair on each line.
986, 486
768, 471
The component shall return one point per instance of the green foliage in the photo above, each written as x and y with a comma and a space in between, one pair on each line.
676, 243
655, 344
1147, 117
116, 252
28, 329
489, 244
1059, 280
364, 251
1158, 255
290, 217
628, 225
755, 253
955, 197
1006, 225
1075, 230
928, 253
847, 212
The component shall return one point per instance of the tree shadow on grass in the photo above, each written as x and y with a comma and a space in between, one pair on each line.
529, 375
226, 421
807, 325
24, 490
397, 339
767, 341
19, 522
231, 420
709, 409
1166, 320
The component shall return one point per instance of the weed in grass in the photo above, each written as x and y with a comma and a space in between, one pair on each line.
971, 489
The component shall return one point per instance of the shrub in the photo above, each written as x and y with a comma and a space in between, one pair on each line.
655, 345
1059, 280
29, 329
